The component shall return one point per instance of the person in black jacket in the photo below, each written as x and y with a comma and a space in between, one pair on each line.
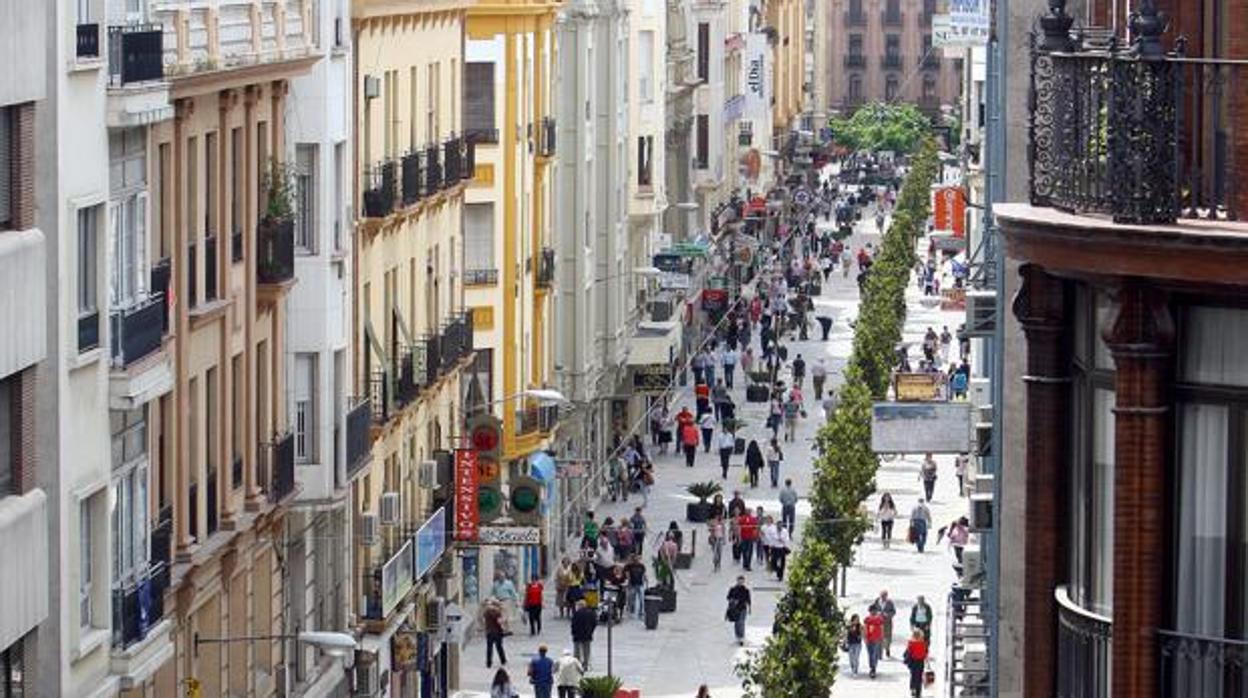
754, 462
738, 608
584, 621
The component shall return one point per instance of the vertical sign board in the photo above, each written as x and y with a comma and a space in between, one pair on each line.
467, 520
757, 78
430, 542
950, 210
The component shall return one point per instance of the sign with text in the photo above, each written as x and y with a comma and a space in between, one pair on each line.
652, 379
467, 516
509, 535
757, 78
950, 210
430, 542
921, 427
968, 23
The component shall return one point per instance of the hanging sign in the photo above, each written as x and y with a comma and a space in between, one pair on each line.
510, 535
757, 80
950, 210
467, 518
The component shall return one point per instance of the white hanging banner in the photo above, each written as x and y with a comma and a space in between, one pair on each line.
757, 78
968, 23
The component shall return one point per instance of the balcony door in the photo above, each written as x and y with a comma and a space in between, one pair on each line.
127, 216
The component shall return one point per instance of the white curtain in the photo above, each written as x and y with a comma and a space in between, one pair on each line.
1102, 582
1201, 596
1213, 346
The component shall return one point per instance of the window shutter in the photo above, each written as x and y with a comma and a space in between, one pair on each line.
6, 163
478, 97
140, 244
116, 282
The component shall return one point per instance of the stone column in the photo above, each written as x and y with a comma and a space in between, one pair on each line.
1040, 308
1141, 337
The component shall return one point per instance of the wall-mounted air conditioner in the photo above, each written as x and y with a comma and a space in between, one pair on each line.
390, 508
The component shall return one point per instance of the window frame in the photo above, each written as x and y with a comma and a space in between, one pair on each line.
130, 491
306, 186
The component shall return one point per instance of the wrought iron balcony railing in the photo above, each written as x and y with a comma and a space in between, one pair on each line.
453, 156
855, 60
546, 268
412, 173
1131, 132
480, 277
433, 169
379, 196
380, 394
546, 138
281, 470
1084, 649
891, 17
137, 330
856, 19
160, 277
135, 54
358, 443
88, 41
275, 258
931, 61
456, 340
890, 61
139, 605
432, 359
1199, 665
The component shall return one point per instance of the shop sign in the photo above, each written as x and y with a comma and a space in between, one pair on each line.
404, 650
670, 262
950, 210
757, 77
509, 535
652, 379
467, 516
674, 281
715, 300
396, 579
953, 298
916, 387
430, 542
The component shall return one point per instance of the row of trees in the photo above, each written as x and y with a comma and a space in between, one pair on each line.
799, 660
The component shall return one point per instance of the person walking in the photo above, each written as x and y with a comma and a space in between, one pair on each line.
707, 424
873, 629
853, 642
533, 604
818, 374
788, 506
916, 661
747, 527
730, 366
715, 534
638, 523
584, 621
738, 608
563, 580
774, 458
689, 442
721, 401
792, 408
888, 610
754, 462
501, 686
505, 591
492, 618
542, 673
798, 367
961, 464
727, 442
927, 473
886, 515
781, 543
636, 573
920, 522
568, 673
921, 617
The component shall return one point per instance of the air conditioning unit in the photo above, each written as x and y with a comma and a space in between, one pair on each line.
433, 614
660, 310
368, 528
981, 312
980, 391
983, 483
981, 513
428, 474
366, 677
391, 508
972, 567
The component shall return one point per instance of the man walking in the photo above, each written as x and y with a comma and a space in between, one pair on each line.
727, 443
873, 628
584, 621
747, 525
738, 608
819, 374
542, 673
927, 473
788, 506
493, 619
730, 366
799, 370
921, 617
887, 611
920, 522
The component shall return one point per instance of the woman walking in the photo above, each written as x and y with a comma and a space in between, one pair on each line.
853, 642
727, 443
501, 687
886, 515
916, 661
774, 458
715, 533
689, 441
754, 461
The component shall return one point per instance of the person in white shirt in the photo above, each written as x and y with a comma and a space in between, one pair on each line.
819, 374
961, 464
780, 547
767, 536
727, 444
707, 423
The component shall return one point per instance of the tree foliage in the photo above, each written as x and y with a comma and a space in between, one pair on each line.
900, 128
799, 659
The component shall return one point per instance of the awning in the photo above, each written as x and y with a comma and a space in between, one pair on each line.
654, 343
542, 466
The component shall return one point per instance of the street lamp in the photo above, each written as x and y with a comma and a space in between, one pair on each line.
333, 644
647, 272
548, 396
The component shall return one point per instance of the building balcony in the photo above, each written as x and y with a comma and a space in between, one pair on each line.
280, 468
137, 331
429, 355
207, 37
24, 574
405, 385
855, 60
138, 606
88, 42
892, 62
546, 137
892, 17
931, 61
275, 253
456, 340
135, 54
546, 268
1084, 649
1140, 140
454, 161
481, 135
359, 445
412, 186
379, 196
1199, 665
536, 419
380, 397
433, 169
481, 277
855, 19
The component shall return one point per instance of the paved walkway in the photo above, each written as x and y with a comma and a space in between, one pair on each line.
695, 645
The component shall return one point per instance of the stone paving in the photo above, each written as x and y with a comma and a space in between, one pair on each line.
695, 645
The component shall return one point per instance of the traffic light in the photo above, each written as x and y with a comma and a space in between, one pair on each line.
526, 500
485, 437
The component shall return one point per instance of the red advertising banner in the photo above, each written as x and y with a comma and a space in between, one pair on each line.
950, 210
467, 518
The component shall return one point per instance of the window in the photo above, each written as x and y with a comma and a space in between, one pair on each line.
339, 193
7, 148
13, 674
8, 464
305, 408
85, 576
645, 66
129, 498
305, 197
890, 89
645, 155
892, 46
704, 51
929, 89
855, 44
478, 98
127, 213
88, 279
855, 88
478, 237
236, 185
210, 184
927, 47
703, 145
434, 86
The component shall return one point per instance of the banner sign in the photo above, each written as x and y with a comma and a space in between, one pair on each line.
734, 106
509, 535
967, 24
950, 210
757, 78
430, 542
652, 379
467, 516
921, 427
396, 579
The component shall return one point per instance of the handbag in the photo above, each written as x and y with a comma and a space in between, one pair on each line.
911, 535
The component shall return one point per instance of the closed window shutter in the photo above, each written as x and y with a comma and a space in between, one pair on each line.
479, 96
479, 236
6, 164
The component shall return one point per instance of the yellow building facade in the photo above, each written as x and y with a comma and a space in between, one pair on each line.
788, 19
411, 336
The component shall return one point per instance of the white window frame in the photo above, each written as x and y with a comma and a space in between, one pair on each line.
85, 572
87, 271
645, 63
305, 407
306, 197
129, 495
479, 239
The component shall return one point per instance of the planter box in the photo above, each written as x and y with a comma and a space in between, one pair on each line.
684, 561
757, 393
697, 512
668, 595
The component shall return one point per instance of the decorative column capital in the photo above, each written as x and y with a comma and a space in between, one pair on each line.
1056, 27
1142, 326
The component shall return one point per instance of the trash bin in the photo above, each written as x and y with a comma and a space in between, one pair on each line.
654, 604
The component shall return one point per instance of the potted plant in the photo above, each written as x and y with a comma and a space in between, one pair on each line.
699, 511
599, 686
276, 227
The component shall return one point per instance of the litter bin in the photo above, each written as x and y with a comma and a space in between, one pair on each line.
654, 603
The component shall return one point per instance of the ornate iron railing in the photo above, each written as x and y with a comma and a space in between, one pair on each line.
855, 19
1198, 666
433, 169
282, 467
1130, 131
358, 443
380, 194
139, 605
480, 277
137, 331
411, 178
88, 41
1084, 648
135, 54
275, 256
546, 268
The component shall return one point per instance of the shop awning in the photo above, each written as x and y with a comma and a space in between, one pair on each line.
655, 343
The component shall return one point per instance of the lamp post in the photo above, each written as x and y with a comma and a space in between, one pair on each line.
334, 644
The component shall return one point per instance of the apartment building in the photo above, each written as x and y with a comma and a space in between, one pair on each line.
881, 51
510, 256
330, 429
411, 336
786, 29
647, 118
679, 218
28, 480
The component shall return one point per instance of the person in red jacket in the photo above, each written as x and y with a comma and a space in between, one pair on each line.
747, 527
916, 661
533, 604
689, 442
873, 629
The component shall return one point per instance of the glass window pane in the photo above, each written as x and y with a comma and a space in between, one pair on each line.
1202, 561
1079, 495
1105, 308
1212, 346
1102, 573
